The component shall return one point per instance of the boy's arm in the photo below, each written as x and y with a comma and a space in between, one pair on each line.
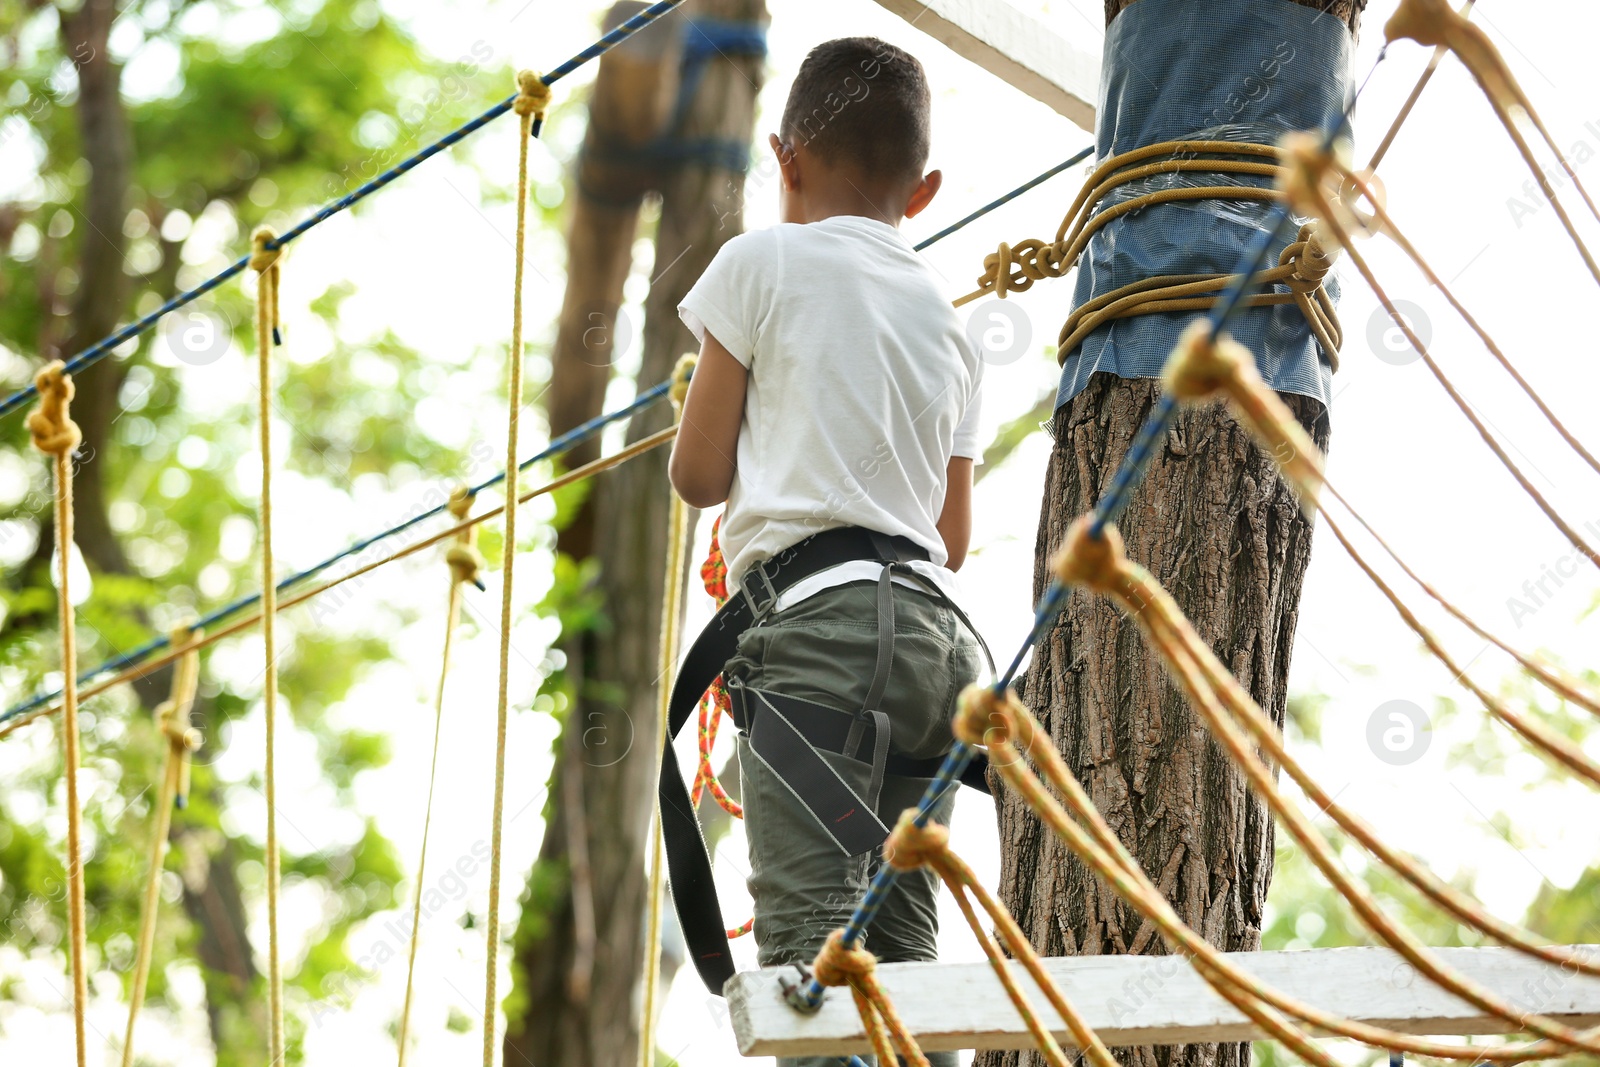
955, 521
702, 464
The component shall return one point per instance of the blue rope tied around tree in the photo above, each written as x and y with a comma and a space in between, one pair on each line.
563, 443
703, 39
808, 997
102, 348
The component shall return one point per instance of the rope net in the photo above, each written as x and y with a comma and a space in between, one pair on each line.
1205, 366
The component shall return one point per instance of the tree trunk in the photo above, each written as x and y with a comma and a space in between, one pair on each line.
610, 734
1215, 524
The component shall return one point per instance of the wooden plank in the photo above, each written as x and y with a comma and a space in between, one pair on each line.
1160, 1000
1014, 48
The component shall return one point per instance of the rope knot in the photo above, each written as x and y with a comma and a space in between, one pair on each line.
679, 390
465, 561
1306, 177
264, 259
172, 714
836, 965
978, 719
264, 253
1311, 257
1427, 22
533, 95
911, 846
1201, 363
51, 423
1088, 561
1014, 268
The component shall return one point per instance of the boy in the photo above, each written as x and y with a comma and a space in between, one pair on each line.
834, 408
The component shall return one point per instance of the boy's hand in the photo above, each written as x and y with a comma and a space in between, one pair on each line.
703, 462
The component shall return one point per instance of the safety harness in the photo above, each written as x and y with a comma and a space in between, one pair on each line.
788, 733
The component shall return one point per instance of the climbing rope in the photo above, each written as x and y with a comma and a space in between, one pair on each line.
910, 846
55, 434
808, 997
104, 347
1072, 160
1388, 226
1305, 186
714, 704
655, 440
1100, 565
466, 568
671, 616
266, 262
28, 710
842, 964
1302, 266
132, 663
1432, 22
172, 723
533, 96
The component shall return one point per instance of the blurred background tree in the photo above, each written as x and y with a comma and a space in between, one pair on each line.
136, 198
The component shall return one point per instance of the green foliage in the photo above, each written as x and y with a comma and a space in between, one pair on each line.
314, 99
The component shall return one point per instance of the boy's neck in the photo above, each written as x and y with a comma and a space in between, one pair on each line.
850, 199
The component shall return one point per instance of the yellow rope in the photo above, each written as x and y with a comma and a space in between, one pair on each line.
857, 968
265, 260
1101, 565
172, 721
55, 434
910, 846
996, 721
533, 96
1433, 22
588, 470
1305, 183
1302, 266
465, 566
671, 609
1380, 216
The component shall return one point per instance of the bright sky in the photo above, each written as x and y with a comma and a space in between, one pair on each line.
1400, 451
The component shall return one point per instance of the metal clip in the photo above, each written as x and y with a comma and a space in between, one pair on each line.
758, 611
794, 993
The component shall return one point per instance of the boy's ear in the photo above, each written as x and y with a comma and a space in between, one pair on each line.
924, 193
788, 163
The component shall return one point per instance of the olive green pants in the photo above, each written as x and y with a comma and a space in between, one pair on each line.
824, 649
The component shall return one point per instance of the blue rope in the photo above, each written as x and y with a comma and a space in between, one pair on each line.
100, 349
1132, 468
1078, 157
563, 443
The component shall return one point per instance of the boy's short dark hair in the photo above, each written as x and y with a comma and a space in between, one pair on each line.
861, 101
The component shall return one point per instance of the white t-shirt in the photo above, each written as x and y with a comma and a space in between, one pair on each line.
862, 384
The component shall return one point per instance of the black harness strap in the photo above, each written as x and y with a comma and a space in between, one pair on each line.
785, 732
851, 820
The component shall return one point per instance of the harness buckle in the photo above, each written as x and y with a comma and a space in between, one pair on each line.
759, 610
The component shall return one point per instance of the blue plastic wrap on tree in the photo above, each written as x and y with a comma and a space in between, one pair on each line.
1246, 70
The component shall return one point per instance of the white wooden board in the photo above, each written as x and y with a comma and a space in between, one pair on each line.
1159, 1000
1013, 47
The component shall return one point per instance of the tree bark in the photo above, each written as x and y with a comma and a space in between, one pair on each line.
612, 725
1216, 525
102, 293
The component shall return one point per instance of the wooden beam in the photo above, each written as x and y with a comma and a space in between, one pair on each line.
1159, 1000
1014, 48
